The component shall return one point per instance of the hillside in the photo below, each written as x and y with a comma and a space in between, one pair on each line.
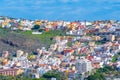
25, 40
13, 41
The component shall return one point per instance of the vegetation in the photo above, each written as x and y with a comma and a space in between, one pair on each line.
18, 78
98, 43
89, 34
54, 74
31, 56
35, 27
106, 69
118, 53
13, 41
101, 73
115, 57
79, 54
69, 44
4, 32
45, 37
96, 76
47, 76
25, 40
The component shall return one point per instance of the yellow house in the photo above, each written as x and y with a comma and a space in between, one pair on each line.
38, 22
111, 21
5, 23
31, 57
96, 38
77, 43
72, 26
20, 27
20, 71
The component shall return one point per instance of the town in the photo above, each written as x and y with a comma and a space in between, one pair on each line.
82, 49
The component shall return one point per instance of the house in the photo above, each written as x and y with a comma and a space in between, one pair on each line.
83, 65
96, 64
11, 72
19, 53
72, 75
110, 37
35, 75
117, 31
36, 32
92, 43
68, 51
5, 61
53, 78
5, 54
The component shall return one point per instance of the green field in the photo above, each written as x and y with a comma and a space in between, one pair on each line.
45, 37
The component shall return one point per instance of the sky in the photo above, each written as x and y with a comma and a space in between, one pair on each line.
69, 10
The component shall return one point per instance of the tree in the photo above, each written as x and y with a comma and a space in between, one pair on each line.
96, 76
118, 53
31, 57
38, 79
35, 27
19, 77
41, 30
69, 44
54, 74
114, 59
92, 77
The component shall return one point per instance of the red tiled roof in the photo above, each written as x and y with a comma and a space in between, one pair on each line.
67, 51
